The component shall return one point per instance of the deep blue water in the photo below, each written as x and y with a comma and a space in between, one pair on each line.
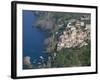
32, 38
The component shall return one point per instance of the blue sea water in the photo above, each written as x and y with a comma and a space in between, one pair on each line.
32, 38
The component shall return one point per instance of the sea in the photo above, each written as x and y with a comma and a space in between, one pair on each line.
33, 39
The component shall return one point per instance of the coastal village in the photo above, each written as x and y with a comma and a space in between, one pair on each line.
75, 34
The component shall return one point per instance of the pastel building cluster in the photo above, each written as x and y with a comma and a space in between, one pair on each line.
74, 35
